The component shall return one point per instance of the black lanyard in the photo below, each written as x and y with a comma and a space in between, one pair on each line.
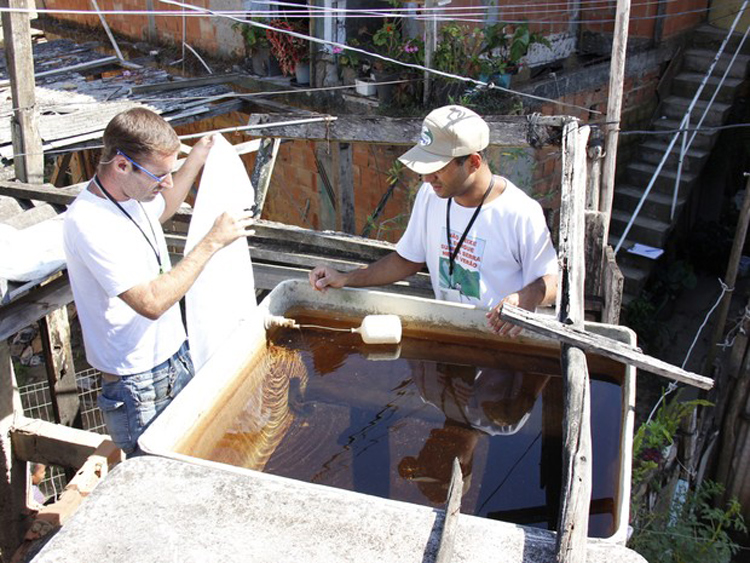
121, 208
452, 254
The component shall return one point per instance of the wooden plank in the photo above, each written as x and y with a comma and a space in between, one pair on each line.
613, 285
594, 225
452, 510
27, 142
504, 130
343, 174
58, 359
182, 84
73, 68
576, 483
42, 192
50, 443
260, 178
12, 471
607, 347
34, 305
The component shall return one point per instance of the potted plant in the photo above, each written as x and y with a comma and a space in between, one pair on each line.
349, 63
257, 48
389, 42
503, 50
289, 50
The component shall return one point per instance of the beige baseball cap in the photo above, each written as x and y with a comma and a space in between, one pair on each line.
447, 132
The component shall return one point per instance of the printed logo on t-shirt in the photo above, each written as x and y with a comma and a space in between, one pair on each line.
466, 275
425, 137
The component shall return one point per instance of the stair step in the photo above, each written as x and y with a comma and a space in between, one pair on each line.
645, 230
699, 60
628, 259
675, 107
657, 205
686, 84
703, 140
710, 37
639, 175
635, 278
652, 152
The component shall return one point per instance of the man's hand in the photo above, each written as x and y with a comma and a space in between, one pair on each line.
199, 152
227, 229
323, 277
498, 325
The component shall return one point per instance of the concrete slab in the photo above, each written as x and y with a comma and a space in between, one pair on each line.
153, 509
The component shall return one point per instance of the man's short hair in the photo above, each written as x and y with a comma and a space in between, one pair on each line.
461, 159
139, 133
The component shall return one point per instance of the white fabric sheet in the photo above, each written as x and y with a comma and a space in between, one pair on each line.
224, 293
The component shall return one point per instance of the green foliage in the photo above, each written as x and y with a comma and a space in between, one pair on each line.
255, 37
696, 532
504, 49
654, 436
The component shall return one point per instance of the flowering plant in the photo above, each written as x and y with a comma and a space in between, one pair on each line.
288, 49
389, 42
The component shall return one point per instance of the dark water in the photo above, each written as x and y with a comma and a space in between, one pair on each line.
388, 421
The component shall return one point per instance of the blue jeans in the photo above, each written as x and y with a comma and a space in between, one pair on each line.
132, 402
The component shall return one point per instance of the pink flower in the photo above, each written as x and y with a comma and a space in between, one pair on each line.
337, 50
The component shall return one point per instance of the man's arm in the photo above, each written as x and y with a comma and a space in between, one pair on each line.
152, 299
183, 179
541, 292
389, 269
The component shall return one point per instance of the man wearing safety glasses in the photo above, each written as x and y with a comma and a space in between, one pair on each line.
125, 289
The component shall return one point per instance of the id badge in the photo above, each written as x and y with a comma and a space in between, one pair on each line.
450, 294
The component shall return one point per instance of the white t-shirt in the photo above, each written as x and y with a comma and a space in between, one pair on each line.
507, 247
107, 255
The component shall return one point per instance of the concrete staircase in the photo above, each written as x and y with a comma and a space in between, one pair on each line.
653, 225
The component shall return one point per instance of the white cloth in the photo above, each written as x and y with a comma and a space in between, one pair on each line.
507, 247
224, 293
31, 253
107, 255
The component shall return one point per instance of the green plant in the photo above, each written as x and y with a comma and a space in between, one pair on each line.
254, 36
695, 532
458, 48
288, 49
504, 49
655, 435
388, 40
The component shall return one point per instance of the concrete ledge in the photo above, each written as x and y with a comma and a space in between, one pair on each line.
152, 509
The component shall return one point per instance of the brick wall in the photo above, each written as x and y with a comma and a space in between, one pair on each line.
642, 23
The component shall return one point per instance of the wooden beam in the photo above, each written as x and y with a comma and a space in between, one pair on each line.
576, 483
260, 178
13, 476
180, 84
88, 65
594, 225
614, 108
33, 306
452, 510
50, 443
613, 285
343, 182
27, 142
504, 130
58, 359
41, 192
618, 351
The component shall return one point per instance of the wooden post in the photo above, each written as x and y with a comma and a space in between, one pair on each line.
731, 276
265, 160
614, 109
343, 172
61, 373
27, 144
12, 472
430, 30
572, 529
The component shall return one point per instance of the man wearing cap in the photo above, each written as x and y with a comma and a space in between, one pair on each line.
484, 241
